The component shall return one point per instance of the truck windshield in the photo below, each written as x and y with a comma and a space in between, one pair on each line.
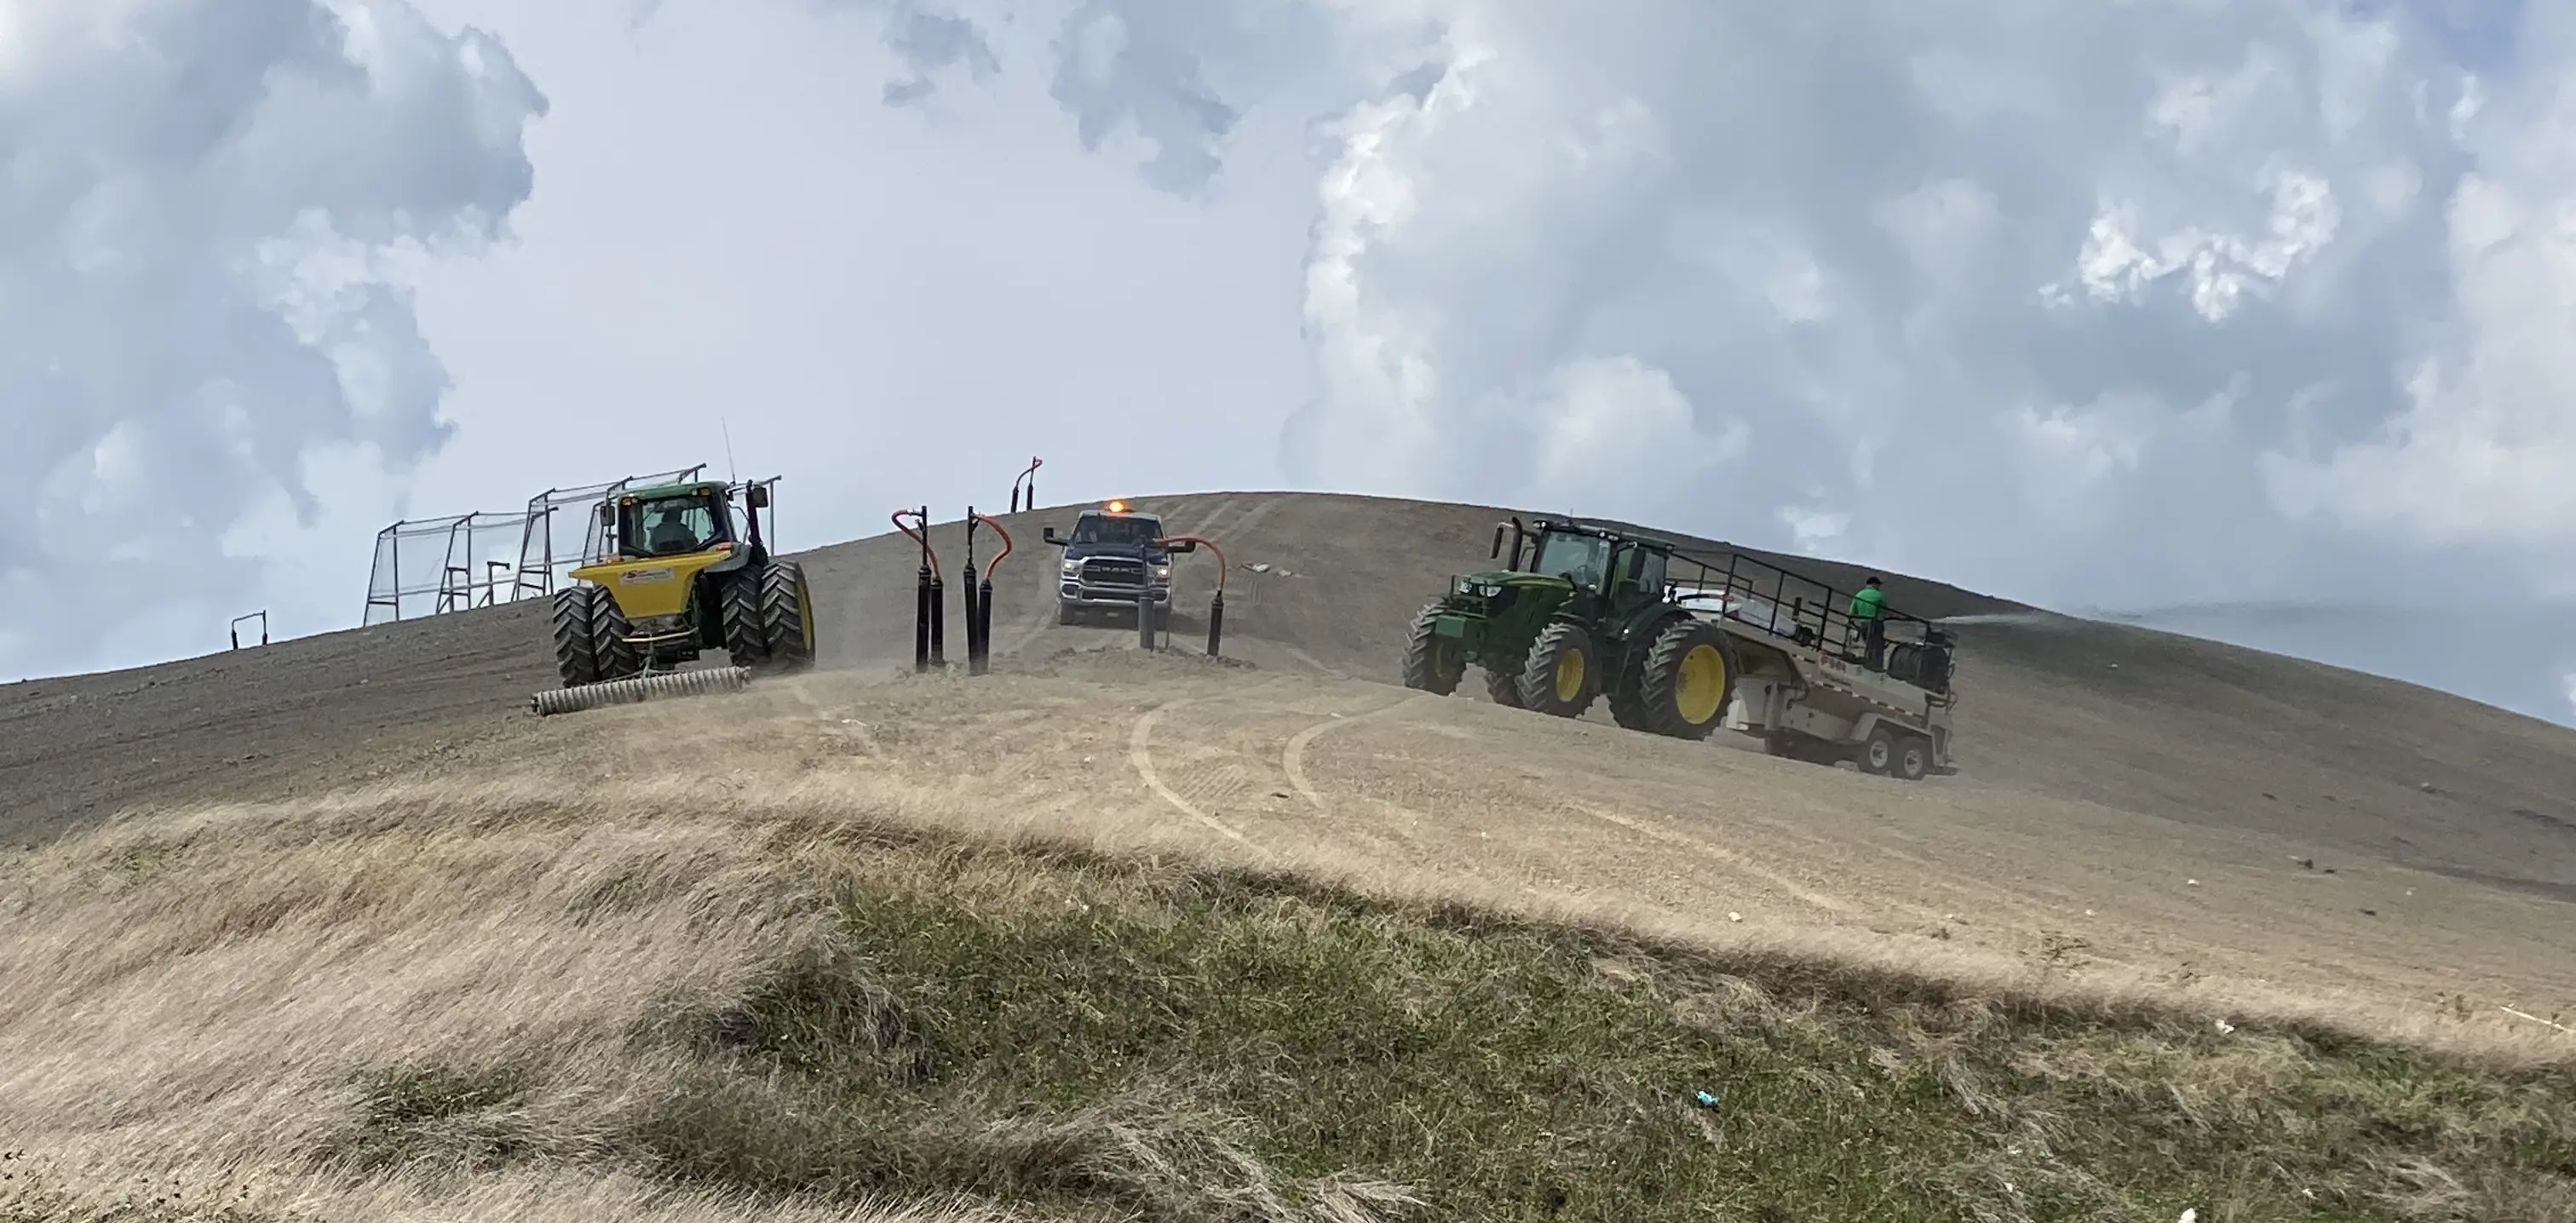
1581, 557
1104, 529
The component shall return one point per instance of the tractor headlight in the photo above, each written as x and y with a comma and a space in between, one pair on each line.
1072, 567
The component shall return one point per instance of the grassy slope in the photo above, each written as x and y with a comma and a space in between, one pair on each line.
520, 1003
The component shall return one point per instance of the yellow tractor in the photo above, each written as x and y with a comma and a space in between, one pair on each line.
667, 576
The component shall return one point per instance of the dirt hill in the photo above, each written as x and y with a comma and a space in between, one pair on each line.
2340, 763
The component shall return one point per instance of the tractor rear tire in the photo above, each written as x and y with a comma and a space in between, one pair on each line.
738, 609
1431, 664
1628, 700
1689, 679
617, 657
1503, 684
1562, 674
575, 658
786, 616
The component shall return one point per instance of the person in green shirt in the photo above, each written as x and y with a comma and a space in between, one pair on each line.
1869, 609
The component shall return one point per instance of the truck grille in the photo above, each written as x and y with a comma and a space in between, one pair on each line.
1101, 571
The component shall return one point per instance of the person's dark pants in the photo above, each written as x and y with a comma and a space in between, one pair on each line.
1875, 635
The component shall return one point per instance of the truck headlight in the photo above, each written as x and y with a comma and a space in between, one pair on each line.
1162, 573
1072, 568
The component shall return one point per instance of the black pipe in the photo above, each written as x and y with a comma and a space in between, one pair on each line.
921, 620
984, 627
1216, 622
974, 636
938, 621
1145, 618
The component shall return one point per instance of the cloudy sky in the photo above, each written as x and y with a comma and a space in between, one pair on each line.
2253, 318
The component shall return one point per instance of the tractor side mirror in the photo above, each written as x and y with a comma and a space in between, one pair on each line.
1497, 553
758, 496
1051, 537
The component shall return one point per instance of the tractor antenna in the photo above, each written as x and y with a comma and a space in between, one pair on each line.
733, 474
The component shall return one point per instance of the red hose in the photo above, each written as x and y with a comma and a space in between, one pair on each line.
1168, 540
922, 537
987, 520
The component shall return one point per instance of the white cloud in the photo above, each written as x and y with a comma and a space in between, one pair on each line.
2148, 305
193, 288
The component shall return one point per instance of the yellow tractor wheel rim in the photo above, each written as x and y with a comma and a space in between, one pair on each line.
1569, 675
1702, 684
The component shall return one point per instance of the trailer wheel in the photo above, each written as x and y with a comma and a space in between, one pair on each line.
1562, 674
1689, 678
575, 659
1878, 753
1913, 758
1431, 664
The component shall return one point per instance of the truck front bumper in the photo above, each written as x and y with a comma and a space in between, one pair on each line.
1075, 594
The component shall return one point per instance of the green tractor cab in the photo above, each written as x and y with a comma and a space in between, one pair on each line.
668, 574
1590, 616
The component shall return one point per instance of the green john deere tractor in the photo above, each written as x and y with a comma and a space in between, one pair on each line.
1591, 616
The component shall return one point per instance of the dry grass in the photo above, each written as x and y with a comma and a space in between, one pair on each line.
651, 1000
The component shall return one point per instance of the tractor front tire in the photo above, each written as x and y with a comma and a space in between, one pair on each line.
1562, 674
738, 611
1431, 664
786, 616
617, 657
1689, 678
576, 660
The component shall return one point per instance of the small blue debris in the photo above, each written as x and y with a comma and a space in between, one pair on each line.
1706, 1100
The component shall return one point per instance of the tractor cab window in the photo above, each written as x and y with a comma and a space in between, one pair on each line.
1584, 558
673, 526
1641, 570
1119, 531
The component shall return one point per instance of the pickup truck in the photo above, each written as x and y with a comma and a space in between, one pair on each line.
1112, 554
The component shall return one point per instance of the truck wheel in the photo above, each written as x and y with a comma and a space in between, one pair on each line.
1913, 758
1878, 752
1503, 685
575, 659
738, 604
1431, 663
1562, 674
1689, 677
786, 615
608, 638
1064, 612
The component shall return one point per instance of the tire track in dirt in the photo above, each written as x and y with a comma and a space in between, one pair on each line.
1733, 860
1292, 759
1140, 756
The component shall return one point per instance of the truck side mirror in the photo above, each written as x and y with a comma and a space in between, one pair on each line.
1051, 537
1186, 545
